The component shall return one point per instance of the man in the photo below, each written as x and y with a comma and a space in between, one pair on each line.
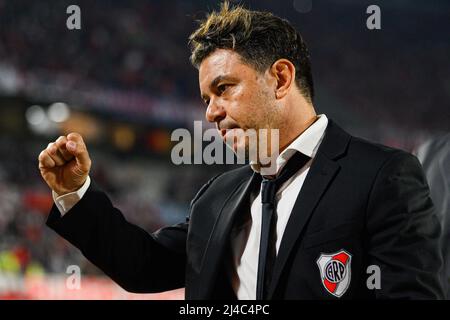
344, 205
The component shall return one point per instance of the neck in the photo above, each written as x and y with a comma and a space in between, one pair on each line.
294, 132
291, 133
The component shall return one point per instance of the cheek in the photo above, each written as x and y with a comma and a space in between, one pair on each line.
248, 106
239, 104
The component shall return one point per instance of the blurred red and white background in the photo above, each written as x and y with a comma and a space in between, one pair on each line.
124, 81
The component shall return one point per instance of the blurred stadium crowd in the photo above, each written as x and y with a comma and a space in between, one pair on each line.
126, 83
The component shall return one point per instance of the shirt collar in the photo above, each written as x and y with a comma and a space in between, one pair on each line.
307, 143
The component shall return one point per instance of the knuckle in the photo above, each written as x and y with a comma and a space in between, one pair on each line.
50, 147
61, 139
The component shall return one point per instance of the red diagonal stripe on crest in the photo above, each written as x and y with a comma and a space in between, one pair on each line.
342, 257
330, 285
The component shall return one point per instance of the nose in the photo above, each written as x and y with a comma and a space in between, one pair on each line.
215, 112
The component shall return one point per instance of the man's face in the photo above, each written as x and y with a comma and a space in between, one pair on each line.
237, 96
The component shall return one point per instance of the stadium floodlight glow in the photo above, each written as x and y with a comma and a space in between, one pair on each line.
58, 112
35, 115
38, 121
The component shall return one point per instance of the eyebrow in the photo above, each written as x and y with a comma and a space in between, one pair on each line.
217, 80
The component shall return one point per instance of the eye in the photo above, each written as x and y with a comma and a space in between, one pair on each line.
221, 88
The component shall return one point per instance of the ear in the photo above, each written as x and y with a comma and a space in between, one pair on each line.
284, 72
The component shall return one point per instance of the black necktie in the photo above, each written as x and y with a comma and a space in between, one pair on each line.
267, 246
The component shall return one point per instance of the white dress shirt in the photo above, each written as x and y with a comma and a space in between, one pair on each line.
65, 202
245, 237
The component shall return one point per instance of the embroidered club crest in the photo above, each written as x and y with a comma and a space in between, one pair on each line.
335, 272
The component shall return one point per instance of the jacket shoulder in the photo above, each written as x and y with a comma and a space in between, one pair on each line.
340, 145
359, 155
374, 153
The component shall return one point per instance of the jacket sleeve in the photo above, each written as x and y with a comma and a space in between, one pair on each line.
404, 231
138, 261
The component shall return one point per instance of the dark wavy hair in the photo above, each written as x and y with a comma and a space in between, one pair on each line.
260, 38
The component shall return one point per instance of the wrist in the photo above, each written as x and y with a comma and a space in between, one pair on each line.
63, 191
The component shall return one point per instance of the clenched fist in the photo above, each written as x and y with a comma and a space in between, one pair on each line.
65, 164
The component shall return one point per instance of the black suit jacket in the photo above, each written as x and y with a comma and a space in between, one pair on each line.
369, 200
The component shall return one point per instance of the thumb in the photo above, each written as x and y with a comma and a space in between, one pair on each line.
77, 148
71, 146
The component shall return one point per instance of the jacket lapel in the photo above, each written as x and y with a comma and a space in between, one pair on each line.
217, 242
320, 176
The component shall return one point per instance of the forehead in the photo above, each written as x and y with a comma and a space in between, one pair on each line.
222, 63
